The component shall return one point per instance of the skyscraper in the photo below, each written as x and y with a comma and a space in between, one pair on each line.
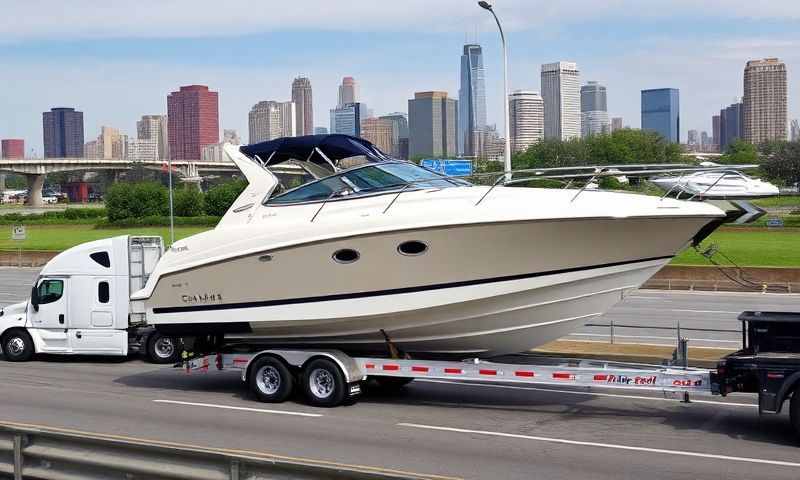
731, 125
471, 102
705, 142
432, 125
304, 108
320, 130
193, 119
616, 124
379, 132
62, 130
661, 113
561, 95
155, 127
399, 122
12, 148
110, 144
693, 138
140, 149
764, 100
795, 131
347, 118
526, 112
594, 110
715, 130
269, 120
348, 91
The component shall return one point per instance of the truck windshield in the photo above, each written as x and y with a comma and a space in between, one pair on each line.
367, 179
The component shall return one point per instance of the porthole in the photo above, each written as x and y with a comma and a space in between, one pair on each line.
412, 247
346, 255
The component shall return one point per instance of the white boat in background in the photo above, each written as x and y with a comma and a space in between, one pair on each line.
718, 184
367, 248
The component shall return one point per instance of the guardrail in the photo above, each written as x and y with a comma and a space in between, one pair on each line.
719, 286
612, 326
42, 453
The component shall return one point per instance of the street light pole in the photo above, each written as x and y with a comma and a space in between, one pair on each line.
507, 153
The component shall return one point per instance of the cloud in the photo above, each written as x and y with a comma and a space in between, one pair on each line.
24, 19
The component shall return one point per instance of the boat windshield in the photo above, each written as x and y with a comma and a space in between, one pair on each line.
367, 179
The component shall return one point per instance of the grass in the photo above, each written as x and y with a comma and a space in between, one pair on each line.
61, 237
783, 201
751, 248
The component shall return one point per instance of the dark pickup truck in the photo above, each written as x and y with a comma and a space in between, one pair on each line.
767, 364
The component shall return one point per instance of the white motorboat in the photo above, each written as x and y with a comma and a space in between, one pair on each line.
368, 248
718, 184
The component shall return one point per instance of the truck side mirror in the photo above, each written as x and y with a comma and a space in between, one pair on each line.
35, 298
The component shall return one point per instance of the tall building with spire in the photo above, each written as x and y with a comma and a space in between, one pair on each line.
304, 107
526, 112
764, 101
562, 101
193, 118
594, 110
348, 92
472, 102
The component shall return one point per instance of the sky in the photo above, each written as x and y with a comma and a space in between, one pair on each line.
117, 60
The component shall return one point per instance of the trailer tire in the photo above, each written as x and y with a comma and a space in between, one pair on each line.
270, 380
163, 349
18, 346
324, 383
794, 410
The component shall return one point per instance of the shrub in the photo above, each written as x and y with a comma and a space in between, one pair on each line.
136, 200
187, 202
220, 198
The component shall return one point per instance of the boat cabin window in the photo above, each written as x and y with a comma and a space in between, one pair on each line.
50, 291
367, 179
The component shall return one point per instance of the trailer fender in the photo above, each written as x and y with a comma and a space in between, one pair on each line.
299, 358
789, 385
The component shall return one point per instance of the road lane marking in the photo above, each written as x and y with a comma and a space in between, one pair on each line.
244, 409
596, 394
564, 441
249, 453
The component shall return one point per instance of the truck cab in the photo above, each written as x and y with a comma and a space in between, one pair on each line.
80, 302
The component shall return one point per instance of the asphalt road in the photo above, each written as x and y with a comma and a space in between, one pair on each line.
447, 429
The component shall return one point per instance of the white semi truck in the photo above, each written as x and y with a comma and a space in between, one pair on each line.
80, 304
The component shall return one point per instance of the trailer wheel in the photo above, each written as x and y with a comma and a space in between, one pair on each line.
324, 383
270, 380
18, 346
794, 410
163, 349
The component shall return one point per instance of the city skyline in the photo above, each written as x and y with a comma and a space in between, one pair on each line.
661, 50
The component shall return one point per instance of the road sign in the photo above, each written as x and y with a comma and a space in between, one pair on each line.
775, 222
18, 232
454, 167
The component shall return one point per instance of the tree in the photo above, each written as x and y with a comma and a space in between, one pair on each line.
219, 199
740, 152
782, 163
136, 200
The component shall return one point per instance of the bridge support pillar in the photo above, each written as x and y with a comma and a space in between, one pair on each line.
35, 184
195, 182
2, 182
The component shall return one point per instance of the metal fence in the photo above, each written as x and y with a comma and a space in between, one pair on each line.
719, 286
39, 453
612, 326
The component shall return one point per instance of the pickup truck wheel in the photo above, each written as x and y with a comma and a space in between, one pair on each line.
324, 383
163, 349
794, 410
270, 380
18, 346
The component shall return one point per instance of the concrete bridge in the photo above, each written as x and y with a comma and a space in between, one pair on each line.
35, 170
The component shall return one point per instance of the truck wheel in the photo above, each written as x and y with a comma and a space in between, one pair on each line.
324, 383
18, 346
794, 410
162, 349
270, 380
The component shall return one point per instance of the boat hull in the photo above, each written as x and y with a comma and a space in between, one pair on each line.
478, 290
